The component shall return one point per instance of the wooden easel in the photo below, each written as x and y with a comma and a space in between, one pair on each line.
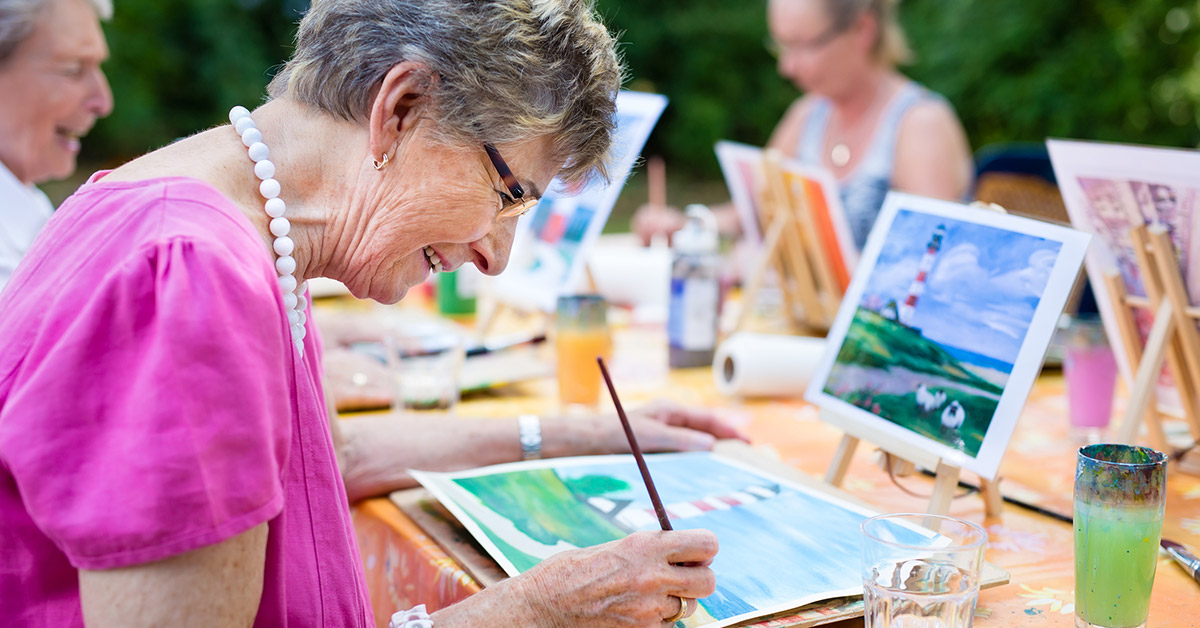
486, 322
811, 292
1173, 336
945, 479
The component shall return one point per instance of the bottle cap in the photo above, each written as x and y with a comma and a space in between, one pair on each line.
699, 233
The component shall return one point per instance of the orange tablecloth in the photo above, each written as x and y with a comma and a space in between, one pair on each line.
404, 567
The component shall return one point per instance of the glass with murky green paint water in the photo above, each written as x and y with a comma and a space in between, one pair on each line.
1119, 498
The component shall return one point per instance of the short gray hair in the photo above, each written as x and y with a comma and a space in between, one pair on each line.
506, 70
18, 18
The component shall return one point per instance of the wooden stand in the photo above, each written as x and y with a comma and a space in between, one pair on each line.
485, 323
945, 479
1173, 337
811, 291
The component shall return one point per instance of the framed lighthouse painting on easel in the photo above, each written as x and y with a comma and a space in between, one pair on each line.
944, 328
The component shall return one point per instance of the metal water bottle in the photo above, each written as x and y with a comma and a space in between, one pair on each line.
695, 290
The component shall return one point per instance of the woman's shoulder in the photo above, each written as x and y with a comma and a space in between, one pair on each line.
124, 234
787, 132
128, 216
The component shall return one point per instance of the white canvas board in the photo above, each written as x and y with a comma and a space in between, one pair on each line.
948, 376
553, 241
741, 166
783, 545
1109, 189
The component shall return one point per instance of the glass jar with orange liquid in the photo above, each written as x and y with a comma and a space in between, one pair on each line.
581, 334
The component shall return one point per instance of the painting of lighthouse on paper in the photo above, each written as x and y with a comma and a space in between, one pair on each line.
950, 307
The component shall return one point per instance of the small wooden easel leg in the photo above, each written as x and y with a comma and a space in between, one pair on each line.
758, 275
841, 460
944, 485
487, 320
1142, 393
993, 501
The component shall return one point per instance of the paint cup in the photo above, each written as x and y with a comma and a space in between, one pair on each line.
426, 371
1119, 500
1090, 370
581, 335
920, 579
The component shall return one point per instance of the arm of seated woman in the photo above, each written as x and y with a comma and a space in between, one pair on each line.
377, 451
218, 585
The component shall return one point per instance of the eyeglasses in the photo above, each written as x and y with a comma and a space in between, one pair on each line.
516, 204
779, 49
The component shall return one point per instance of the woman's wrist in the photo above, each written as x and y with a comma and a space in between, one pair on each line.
576, 436
529, 430
510, 602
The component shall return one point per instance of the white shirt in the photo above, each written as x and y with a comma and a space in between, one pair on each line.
24, 210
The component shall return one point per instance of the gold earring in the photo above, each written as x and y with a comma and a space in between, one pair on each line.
379, 165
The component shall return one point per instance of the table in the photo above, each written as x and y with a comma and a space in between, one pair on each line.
405, 567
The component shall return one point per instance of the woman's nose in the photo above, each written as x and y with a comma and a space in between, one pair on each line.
100, 100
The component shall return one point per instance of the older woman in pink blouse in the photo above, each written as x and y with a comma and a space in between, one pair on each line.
166, 457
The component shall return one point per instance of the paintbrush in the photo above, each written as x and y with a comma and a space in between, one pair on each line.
637, 451
1186, 559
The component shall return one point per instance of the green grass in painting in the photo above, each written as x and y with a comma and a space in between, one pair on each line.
903, 410
874, 341
543, 507
596, 485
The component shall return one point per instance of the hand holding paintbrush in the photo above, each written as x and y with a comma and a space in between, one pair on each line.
687, 606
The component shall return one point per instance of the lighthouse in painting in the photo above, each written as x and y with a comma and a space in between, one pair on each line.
918, 285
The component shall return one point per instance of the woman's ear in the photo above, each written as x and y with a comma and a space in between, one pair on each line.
866, 32
398, 105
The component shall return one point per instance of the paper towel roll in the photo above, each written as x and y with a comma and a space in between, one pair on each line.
766, 365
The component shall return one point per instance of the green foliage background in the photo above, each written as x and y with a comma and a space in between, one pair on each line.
1121, 70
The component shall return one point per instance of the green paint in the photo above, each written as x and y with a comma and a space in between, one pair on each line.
596, 485
875, 341
452, 298
542, 507
1116, 553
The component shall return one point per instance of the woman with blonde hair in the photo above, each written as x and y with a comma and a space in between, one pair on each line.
862, 119
166, 458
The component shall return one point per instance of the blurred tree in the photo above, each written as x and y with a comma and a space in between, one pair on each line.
177, 67
1118, 70
1115, 70
710, 58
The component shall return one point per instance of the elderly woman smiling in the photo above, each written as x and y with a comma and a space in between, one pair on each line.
165, 454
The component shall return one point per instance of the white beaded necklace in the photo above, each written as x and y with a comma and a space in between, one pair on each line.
293, 294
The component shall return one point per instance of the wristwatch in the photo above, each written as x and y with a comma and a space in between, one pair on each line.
530, 429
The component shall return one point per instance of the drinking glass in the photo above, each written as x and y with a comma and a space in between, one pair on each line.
1119, 499
1091, 373
913, 576
425, 369
581, 334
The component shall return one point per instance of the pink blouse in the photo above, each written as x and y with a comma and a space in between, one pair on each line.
151, 403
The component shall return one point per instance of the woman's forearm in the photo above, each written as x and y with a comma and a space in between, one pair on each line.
378, 451
506, 603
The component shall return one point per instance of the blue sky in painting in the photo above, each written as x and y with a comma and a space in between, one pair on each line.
784, 548
984, 286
